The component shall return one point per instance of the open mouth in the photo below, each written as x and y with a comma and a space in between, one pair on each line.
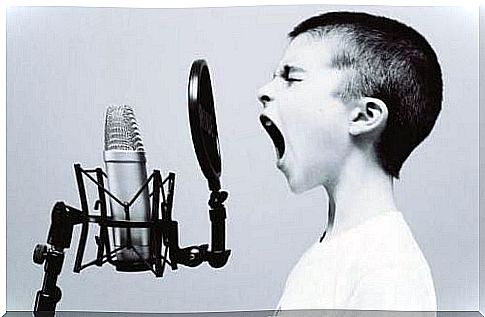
275, 134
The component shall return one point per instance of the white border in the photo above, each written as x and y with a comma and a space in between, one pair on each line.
148, 4
229, 3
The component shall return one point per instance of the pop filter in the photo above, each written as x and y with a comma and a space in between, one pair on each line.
203, 124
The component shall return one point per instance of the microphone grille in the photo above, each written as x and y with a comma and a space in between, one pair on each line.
121, 129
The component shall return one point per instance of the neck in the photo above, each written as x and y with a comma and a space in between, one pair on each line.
363, 191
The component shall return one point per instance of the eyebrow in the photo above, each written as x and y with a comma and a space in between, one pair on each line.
291, 68
287, 69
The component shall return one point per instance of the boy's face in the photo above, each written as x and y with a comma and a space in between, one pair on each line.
305, 116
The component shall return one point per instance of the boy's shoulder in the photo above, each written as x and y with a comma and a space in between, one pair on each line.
380, 253
385, 241
382, 241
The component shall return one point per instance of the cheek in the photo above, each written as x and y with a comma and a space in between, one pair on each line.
325, 127
326, 141
314, 121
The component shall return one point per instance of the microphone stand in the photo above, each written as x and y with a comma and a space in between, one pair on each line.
163, 232
60, 235
50, 294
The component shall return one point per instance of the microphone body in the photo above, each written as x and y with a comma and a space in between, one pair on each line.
125, 161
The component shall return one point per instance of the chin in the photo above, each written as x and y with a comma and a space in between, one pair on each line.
299, 185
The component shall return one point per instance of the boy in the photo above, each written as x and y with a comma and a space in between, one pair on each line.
352, 97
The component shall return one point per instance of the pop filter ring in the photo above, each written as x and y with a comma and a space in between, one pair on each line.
203, 124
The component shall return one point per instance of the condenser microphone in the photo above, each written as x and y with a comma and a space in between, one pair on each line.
124, 156
145, 235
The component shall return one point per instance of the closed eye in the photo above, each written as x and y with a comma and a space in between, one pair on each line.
288, 74
291, 80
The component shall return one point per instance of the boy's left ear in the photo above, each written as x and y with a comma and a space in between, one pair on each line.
369, 115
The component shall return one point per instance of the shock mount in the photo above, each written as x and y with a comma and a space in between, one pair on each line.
164, 235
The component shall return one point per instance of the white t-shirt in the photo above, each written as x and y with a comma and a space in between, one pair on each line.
375, 266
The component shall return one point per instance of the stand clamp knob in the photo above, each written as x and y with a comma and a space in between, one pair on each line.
40, 254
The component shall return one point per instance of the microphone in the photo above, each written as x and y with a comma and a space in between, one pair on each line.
145, 236
124, 156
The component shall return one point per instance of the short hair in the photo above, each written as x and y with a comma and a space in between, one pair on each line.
389, 61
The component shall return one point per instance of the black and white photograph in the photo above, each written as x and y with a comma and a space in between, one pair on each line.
270, 160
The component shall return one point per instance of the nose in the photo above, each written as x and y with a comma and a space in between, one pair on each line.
265, 95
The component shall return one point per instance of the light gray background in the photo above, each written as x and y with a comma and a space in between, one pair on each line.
65, 65
482, 167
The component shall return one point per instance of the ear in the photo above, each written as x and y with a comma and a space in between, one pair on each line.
369, 115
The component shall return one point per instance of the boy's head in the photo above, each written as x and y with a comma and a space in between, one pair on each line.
349, 79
